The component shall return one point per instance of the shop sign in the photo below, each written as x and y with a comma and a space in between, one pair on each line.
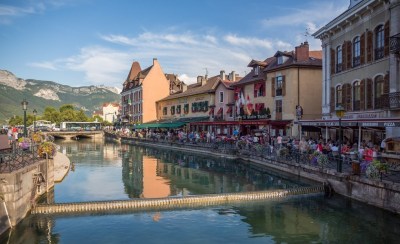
255, 117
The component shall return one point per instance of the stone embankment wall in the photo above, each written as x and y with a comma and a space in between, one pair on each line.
382, 194
20, 189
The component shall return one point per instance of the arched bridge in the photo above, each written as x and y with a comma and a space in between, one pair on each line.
75, 135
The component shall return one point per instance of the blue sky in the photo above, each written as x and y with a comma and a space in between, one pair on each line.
94, 42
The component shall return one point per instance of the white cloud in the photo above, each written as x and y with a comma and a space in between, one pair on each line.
45, 65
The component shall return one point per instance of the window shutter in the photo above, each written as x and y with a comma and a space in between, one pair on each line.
369, 46
348, 98
333, 105
386, 38
348, 52
273, 87
333, 63
343, 103
344, 55
255, 90
369, 97
362, 95
362, 49
283, 86
386, 84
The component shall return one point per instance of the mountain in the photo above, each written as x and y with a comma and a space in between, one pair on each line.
41, 94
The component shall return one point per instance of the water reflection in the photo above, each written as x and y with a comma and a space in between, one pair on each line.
149, 172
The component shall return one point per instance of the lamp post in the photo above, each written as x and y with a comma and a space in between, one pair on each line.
340, 113
24, 107
34, 120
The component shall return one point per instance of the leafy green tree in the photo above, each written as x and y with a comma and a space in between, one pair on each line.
99, 119
51, 114
81, 116
68, 115
66, 107
16, 120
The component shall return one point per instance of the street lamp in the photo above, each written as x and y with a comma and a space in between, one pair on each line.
340, 113
34, 119
24, 107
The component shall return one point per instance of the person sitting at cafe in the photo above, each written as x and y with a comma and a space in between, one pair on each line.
345, 149
368, 154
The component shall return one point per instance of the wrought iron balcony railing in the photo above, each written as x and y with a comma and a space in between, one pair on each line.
388, 101
394, 100
379, 53
356, 61
395, 43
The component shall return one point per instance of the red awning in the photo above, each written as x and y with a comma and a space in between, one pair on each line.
211, 111
219, 111
229, 110
238, 89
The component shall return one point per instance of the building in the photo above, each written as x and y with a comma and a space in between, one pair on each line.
280, 90
195, 102
361, 71
108, 112
141, 90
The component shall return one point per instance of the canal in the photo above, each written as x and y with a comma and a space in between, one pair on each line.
109, 171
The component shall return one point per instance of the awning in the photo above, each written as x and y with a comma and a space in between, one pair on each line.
382, 122
211, 111
219, 111
160, 125
229, 110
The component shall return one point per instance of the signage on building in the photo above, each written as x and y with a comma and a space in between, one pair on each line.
254, 117
346, 123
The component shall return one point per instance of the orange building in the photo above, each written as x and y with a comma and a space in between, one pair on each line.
141, 90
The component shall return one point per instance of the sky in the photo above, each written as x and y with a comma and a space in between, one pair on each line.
94, 42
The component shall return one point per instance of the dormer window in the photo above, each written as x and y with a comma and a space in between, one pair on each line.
256, 70
280, 60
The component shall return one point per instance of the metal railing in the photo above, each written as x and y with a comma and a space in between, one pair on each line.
395, 44
263, 152
16, 157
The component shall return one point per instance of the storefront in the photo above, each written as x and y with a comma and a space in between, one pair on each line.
354, 131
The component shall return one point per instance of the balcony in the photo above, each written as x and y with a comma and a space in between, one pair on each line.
379, 53
395, 44
356, 61
388, 101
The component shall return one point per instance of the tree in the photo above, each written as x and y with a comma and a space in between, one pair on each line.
81, 116
68, 115
51, 114
16, 120
66, 107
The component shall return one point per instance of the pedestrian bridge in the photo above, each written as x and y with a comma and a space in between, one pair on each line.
172, 202
75, 135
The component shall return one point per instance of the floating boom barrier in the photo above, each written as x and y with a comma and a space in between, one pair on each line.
171, 202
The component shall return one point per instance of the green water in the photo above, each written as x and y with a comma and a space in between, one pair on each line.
107, 171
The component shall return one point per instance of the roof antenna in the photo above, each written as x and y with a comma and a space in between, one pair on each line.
307, 33
206, 72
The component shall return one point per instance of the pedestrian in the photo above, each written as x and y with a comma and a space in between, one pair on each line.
279, 141
10, 135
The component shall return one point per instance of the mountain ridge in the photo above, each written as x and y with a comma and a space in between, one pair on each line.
40, 94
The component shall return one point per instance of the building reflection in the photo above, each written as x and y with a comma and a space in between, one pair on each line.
152, 173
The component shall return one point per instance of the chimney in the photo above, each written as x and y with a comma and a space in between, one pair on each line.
302, 52
154, 60
199, 79
232, 76
184, 87
222, 74
204, 81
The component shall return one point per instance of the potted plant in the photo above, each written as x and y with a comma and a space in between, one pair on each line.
37, 137
375, 169
48, 148
24, 143
322, 160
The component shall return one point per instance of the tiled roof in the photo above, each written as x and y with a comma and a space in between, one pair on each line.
196, 88
135, 79
311, 62
316, 54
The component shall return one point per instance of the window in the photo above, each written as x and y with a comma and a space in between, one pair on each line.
259, 89
256, 70
379, 42
165, 111
178, 109
338, 96
356, 52
279, 85
339, 59
356, 96
172, 110
278, 109
230, 111
186, 108
280, 60
221, 97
